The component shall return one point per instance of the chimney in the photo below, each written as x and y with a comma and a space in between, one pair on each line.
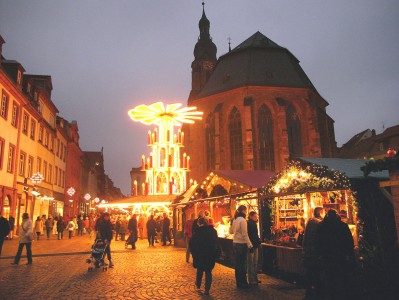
2, 41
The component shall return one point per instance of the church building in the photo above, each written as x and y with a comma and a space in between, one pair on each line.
260, 108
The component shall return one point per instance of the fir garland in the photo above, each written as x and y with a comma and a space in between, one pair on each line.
378, 165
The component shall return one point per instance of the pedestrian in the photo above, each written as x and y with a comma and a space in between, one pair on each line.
334, 243
241, 245
86, 224
188, 233
311, 261
38, 227
55, 225
75, 223
26, 236
61, 226
104, 230
81, 225
159, 229
123, 228
253, 253
49, 226
141, 224
92, 224
11, 220
71, 228
117, 227
4, 229
132, 227
151, 230
165, 230
204, 247
195, 223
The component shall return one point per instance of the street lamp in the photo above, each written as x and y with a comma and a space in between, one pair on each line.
71, 191
36, 178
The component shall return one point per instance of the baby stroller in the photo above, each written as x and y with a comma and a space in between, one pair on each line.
97, 255
131, 240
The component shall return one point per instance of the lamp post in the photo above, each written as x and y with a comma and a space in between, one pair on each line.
36, 178
87, 206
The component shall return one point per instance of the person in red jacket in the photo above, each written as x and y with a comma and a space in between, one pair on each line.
188, 233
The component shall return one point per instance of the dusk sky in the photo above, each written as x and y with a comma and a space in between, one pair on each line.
106, 57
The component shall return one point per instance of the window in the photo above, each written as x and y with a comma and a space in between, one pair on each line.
63, 179
58, 147
39, 165
59, 177
266, 145
294, 132
14, 119
51, 146
30, 167
39, 106
62, 150
4, 105
45, 170
41, 130
65, 153
50, 173
46, 135
381, 146
28, 88
32, 129
235, 131
25, 123
2, 144
56, 176
210, 142
22, 161
19, 76
11, 157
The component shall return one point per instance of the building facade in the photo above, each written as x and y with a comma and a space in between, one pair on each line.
260, 108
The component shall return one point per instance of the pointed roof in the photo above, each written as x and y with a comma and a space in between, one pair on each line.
257, 40
258, 61
204, 20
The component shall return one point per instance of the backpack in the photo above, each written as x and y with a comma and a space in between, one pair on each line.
70, 225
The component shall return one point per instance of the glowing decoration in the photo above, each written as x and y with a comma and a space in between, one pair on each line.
71, 191
87, 197
157, 114
37, 178
166, 170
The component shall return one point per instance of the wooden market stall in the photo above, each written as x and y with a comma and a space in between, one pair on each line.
220, 193
288, 202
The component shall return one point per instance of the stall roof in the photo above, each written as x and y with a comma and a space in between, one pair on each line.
130, 201
351, 167
255, 179
186, 196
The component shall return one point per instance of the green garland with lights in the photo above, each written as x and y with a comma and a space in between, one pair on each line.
377, 165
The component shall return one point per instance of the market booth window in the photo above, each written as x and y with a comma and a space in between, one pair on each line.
289, 199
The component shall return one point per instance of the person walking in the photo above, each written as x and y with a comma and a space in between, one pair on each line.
241, 245
335, 246
81, 225
311, 261
4, 229
49, 226
117, 228
123, 228
151, 230
165, 230
195, 223
26, 236
132, 227
188, 233
55, 225
11, 220
253, 253
61, 226
71, 228
204, 247
141, 224
38, 227
86, 224
104, 229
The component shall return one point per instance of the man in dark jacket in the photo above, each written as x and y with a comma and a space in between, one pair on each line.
132, 226
4, 229
310, 255
253, 253
204, 248
165, 230
104, 229
334, 244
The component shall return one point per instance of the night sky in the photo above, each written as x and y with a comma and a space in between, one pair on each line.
106, 57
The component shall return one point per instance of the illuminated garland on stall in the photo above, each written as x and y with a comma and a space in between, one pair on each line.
390, 162
299, 177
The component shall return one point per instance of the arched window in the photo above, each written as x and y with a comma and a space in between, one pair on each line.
210, 142
294, 132
236, 151
266, 146
161, 184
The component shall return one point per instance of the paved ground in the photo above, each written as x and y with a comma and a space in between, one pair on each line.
59, 271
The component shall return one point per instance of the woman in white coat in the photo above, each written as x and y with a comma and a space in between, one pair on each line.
26, 236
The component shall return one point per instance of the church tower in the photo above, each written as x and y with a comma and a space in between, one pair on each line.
204, 57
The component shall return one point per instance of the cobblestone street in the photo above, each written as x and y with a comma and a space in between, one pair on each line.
59, 271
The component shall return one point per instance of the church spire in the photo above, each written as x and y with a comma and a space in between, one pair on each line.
204, 57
